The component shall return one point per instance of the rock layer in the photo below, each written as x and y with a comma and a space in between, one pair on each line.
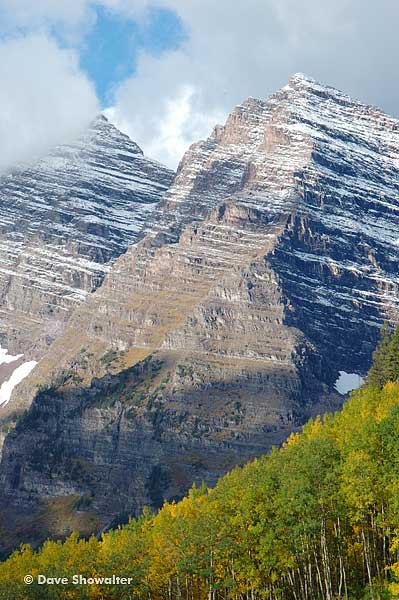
270, 265
62, 220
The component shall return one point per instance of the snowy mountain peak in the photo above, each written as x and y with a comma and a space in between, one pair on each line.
62, 220
331, 165
300, 85
301, 77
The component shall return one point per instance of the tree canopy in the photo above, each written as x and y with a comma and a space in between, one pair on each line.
315, 519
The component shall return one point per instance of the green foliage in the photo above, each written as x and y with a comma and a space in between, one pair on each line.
130, 386
109, 358
385, 365
185, 371
317, 519
393, 357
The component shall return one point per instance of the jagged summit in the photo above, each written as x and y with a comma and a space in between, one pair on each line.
304, 84
306, 81
102, 123
280, 135
305, 95
299, 76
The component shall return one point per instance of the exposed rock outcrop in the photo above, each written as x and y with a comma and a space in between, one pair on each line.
270, 265
62, 220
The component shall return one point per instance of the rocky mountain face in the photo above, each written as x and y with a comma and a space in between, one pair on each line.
62, 220
269, 267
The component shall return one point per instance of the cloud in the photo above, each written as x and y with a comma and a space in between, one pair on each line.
250, 48
165, 127
232, 50
182, 123
44, 98
71, 18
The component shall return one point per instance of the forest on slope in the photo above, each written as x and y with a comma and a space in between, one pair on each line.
315, 519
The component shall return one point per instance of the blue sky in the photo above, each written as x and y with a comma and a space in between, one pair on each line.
167, 71
110, 50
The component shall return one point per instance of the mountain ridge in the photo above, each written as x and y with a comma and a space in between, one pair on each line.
63, 220
65, 216
268, 268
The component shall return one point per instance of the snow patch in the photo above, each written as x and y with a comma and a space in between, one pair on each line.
18, 375
6, 358
347, 382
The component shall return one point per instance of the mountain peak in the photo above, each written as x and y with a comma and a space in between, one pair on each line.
304, 84
68, 214
301, 77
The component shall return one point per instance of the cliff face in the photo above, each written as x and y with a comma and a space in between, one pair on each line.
62, 220
270, 264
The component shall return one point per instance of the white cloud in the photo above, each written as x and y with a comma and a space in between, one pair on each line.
233, 50
177, 120
44, 98
71, 17
250, 48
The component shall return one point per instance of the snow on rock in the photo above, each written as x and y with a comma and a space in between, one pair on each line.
326, 168
347, 382
63, 220
269, 268
17, 376
6, 358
